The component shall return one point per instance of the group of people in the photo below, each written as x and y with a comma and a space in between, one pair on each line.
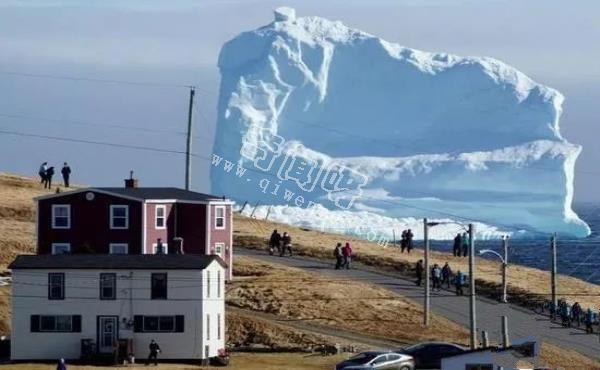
569, 314
343, 256
440, 276
406, 243
280, 243
46, 174
461, 245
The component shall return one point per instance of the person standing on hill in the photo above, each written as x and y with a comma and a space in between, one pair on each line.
409, 240
286, 240
48, 178
446, 272
275, 242
457, 245
419, 272
465, 245
42, 172
403, 242
154, 350
347, 253
66, 173
339, 257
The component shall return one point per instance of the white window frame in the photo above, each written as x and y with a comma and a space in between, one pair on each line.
165, 248
164, 217
111, 217
219, 245
54, 207
55, 245
113, 245
217, 227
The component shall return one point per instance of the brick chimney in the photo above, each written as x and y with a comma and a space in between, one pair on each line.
131, 182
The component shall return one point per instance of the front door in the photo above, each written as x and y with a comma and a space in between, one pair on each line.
107, 333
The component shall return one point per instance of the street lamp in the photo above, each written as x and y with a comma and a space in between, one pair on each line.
504, 260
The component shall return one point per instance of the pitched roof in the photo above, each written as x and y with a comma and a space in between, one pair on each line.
162, 193
115, 261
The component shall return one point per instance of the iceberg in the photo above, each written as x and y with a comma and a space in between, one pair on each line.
312, 113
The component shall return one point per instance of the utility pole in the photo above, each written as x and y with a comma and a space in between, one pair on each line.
426, 304
505, 340
504, 268
472, 314
553, 276
188, 147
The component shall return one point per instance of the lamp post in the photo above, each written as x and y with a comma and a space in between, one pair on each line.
504, 259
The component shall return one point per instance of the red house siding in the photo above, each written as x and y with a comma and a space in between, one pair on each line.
90, 224
152, 233
191, 226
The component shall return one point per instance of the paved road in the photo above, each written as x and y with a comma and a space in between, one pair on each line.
521, 322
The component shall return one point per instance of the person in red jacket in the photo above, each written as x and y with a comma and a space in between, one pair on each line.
347, 253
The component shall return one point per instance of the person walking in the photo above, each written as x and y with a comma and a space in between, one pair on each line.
347, 253
403, 242
589, 321
48, 178
339, 257
66, 173
577, 313
465, 245
286, 241
419, 272
437, 277
275, 242
42, 172
446, 273
409, 240
61, 364
459, 283
154, 351
457, 245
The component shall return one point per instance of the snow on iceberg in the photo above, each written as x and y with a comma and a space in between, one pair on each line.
311, 111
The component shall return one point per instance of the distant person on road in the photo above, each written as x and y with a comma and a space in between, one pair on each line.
409, 240
564, 314
577, 313
42, 172
61, 365
403, 242
589, 321
446, 272
459, 283
465, 244
286, 240
48, 178
275, 242
66, 173
339, 257
419, 272
154, 351
347, 253
457, 245
437, 277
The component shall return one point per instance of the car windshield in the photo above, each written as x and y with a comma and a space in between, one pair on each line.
363, 357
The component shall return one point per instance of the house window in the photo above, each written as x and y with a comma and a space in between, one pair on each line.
207, 284
56, 285
207, 326
165, 248
219, 249
220, 217
158, 324
218, 284
161, 217
61, 248
56, 323
219, 326
119, 217
61, 216
118, 248
108, 286
159, 286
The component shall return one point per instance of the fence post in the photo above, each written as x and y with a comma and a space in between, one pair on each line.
268, 212
254, 210
244, 206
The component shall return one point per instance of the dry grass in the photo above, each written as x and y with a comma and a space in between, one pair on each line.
525, 283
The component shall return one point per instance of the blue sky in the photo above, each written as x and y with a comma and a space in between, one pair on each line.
177, 42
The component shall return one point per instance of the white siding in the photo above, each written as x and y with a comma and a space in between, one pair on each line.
186, 297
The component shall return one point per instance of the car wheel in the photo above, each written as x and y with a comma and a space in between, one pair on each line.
406, 368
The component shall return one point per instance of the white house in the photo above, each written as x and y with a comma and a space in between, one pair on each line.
61, 301
522, 355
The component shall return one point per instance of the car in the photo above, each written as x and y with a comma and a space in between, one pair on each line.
428, 355
379, 360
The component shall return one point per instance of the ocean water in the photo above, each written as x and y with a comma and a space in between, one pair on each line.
575, 257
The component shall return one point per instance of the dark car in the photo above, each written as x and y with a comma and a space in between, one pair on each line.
428, 355
380, 360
